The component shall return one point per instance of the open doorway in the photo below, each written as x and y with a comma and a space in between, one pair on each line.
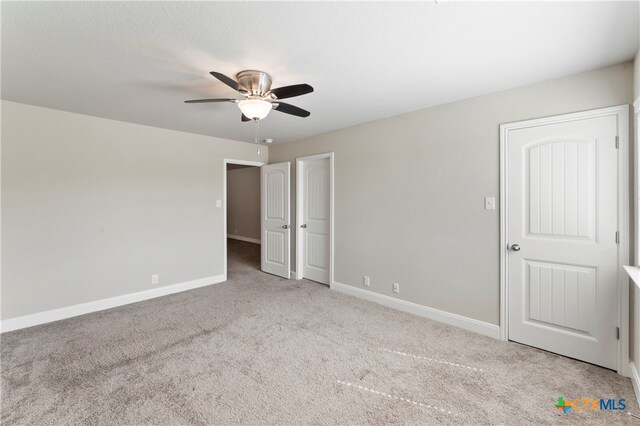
242, 216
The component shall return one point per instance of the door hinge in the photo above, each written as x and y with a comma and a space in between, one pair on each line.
618, 333
617, 237
617, 142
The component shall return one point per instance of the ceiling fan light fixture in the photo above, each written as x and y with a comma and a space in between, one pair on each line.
255, 109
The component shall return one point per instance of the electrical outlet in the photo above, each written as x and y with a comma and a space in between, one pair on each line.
489, 203
154, 279
396, 288
366, 281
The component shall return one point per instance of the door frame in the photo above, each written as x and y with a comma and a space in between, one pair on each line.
226, 161
300, 207
636, 184
622, 114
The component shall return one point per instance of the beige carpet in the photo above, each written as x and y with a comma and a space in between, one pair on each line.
261, 350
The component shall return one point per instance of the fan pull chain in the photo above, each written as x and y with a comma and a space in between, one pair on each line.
257, 134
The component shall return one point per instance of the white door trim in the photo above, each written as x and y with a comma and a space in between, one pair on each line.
224, 200
622, 114
299, 207
636, 184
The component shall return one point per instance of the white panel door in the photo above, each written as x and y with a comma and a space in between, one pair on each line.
315, 226
276, 228
562, 223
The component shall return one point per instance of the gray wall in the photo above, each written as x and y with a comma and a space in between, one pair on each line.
243, 202
409, 190
91, 207
636, 76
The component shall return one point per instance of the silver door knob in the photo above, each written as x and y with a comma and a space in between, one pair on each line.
286, 226
303, 226
515, 247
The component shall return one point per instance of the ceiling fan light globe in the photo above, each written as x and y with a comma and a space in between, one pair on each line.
255, 109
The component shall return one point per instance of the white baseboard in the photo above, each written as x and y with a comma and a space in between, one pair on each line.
247, 239
635, 379
99, 305
470, 324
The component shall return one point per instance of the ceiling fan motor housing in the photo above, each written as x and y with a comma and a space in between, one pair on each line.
257, 83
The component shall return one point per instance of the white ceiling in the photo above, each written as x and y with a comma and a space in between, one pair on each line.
139, 61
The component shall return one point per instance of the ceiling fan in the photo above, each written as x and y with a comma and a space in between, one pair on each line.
260, 98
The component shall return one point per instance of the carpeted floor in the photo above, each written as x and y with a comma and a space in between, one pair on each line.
261, 350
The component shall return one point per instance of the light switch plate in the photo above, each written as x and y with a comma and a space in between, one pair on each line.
489, 203
218, 203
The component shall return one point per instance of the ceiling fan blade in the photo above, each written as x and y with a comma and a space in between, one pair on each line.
292, 91
228, 81
245, 118
291, 109
197, 101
